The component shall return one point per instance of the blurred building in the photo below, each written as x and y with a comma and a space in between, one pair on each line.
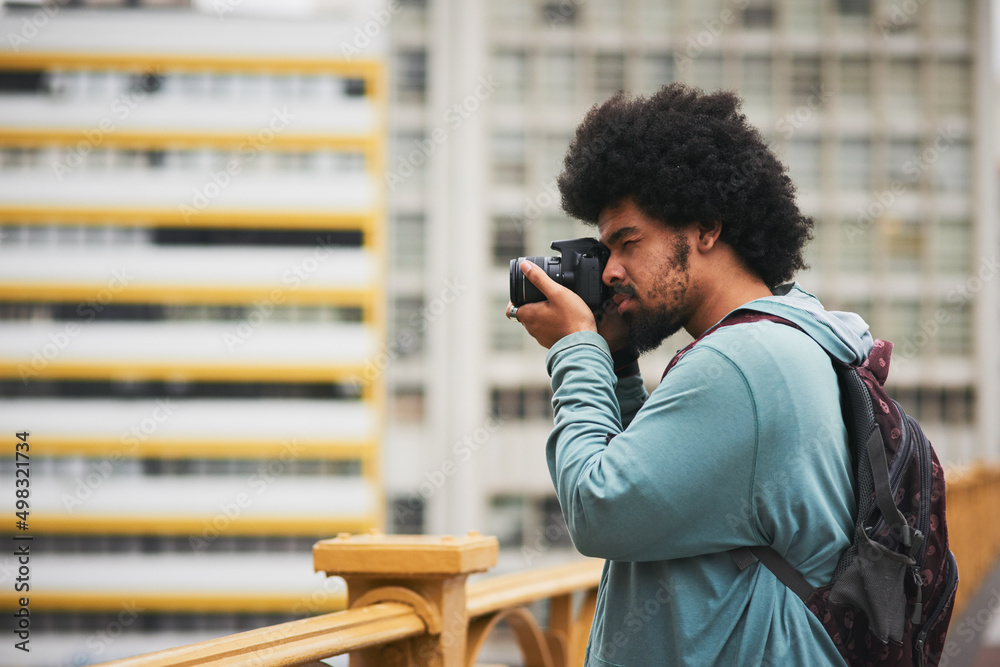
191, 284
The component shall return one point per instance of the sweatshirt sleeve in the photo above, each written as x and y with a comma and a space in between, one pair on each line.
677, 481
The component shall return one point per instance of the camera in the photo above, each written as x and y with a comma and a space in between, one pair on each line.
580, 269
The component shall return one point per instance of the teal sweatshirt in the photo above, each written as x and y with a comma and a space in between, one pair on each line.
742, 443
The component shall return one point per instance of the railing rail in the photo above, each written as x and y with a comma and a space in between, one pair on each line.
521, 588
296, 642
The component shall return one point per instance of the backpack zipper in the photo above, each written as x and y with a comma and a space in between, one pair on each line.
951, 576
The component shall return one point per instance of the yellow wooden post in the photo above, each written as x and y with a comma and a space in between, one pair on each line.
426, 572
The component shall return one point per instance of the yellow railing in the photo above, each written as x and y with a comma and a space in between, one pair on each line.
973, 498
409, 603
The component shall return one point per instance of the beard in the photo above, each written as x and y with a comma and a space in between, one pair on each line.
648, 328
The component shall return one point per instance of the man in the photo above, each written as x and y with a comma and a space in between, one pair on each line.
743, 442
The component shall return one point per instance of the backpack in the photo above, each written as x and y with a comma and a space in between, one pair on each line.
891, 596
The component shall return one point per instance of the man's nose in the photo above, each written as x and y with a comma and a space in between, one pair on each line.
613, 273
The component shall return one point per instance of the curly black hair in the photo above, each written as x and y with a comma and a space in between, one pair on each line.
686, 156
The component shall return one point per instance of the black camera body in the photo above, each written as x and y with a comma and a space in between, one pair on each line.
580, 269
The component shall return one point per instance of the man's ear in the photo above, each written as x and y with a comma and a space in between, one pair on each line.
708, 234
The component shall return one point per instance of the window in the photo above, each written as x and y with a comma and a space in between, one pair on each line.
506, 335
947, 405
803, 17
408, 405
854, 7
509, 158
508, 239
407, 515
952, 88
856, 241
411, 75
803, 162
951, 164
609, 74
901, 326
408, 241
522, 403
655, 70
757, 81
655, 16
949, 18
905, 167
550, 162
758, 14
903, 87
955, 337
407, 327
511, 69
557, 77
953, 246
854, 83
705, 71
560, 12
606, 14
805, 80
506, 520
512, 14
533, 523
854, 164
905, 242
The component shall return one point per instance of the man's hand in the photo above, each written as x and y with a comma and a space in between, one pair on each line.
612, 326
562, 314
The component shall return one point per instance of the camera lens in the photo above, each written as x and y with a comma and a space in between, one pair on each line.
522, 290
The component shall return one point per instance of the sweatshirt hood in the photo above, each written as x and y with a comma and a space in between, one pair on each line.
844, 335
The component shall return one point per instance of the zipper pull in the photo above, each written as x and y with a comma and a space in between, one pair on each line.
918, 607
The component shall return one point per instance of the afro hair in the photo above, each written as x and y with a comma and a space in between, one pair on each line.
686, 156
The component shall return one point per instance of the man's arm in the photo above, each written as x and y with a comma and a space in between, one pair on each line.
677, 482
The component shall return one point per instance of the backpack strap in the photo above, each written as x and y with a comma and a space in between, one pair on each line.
735, 317
779, 567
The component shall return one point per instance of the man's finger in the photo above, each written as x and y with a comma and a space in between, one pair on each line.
540, 279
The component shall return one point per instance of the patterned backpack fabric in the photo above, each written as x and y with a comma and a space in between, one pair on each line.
890, 599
